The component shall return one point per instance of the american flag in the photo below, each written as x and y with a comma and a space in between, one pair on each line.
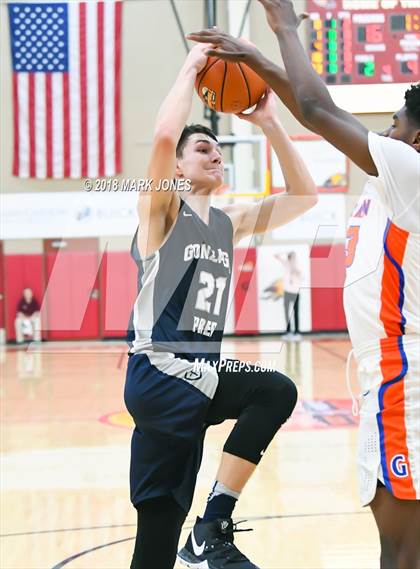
66, 88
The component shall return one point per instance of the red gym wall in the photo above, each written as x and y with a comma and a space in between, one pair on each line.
72, 290
245, 291
83, 294
87, 295
21, 271
327, 281
118, 285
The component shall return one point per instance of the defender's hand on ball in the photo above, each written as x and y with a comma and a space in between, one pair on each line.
224, 46
227, 84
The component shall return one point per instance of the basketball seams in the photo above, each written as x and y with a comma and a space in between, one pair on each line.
228, 87
246, 83
204, 72
223, 87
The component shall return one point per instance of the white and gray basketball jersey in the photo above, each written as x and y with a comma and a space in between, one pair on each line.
183, 288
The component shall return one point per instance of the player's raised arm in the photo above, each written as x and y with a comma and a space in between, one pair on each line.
156, 207
229, 48
299, 88
301, 192
336, 125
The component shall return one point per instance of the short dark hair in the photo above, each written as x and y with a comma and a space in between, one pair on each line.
412, 103
187, 132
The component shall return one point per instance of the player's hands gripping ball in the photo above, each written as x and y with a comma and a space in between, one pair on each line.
227, 84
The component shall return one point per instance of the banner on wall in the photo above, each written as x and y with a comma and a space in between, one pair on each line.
328, 166
324, 222
271, 287
68, 214
97, 213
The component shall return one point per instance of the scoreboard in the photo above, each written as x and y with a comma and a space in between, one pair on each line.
363, 42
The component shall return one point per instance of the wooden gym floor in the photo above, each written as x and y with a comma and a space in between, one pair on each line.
65, 457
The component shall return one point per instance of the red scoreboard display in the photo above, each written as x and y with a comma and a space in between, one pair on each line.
361, 42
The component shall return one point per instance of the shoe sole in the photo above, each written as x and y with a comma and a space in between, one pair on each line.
187, 559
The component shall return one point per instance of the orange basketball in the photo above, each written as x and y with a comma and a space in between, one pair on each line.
229, 87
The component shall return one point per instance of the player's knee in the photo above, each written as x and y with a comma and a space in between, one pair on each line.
280, 396
408, 552
399, 551
287, 396
388, 552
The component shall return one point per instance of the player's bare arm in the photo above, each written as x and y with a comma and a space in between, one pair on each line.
301, 193
157, 210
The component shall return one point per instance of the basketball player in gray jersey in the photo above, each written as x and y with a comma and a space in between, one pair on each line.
184, 252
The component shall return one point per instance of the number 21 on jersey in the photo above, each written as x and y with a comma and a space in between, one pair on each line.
204, 300
209, 299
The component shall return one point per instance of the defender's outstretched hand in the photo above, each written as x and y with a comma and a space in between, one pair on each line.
225, 46
306, 95
281, 15
228, 48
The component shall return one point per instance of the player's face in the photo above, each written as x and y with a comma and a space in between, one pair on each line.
402, 129
202, 163
27, 294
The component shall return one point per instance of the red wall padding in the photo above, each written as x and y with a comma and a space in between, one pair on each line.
21, 271
72, 300
118, 290
118, 293
245, 291
327, 280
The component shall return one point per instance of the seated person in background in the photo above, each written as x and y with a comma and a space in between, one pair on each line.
28, 320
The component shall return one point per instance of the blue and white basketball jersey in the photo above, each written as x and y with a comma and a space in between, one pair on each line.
183, 288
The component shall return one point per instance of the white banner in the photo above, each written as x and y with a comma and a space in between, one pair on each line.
327, 165
95, 214
68, 214
324, 222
